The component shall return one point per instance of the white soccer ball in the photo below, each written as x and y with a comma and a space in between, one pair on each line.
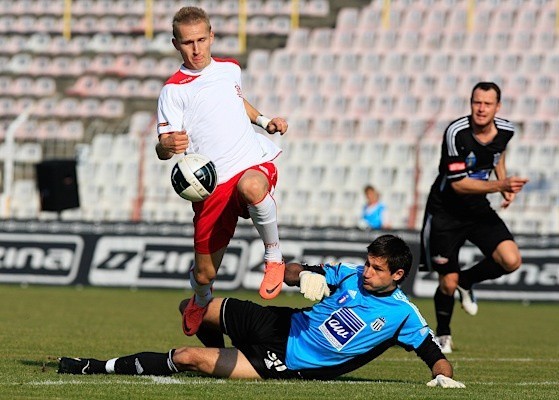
194, 177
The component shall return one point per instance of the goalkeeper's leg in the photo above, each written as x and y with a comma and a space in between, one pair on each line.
146, 363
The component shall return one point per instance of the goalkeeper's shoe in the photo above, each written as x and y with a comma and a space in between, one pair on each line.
468, 300
445, 343
273, 279
79, 366
192, 317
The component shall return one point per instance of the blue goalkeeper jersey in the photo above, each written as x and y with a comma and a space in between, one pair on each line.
352, 322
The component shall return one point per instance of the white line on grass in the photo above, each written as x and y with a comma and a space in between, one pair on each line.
519, 360
150, 380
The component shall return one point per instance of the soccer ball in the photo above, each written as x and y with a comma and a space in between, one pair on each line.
194, 177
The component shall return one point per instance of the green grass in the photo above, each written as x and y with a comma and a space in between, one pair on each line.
509, 350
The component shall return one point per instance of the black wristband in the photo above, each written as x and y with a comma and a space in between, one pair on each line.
317, 269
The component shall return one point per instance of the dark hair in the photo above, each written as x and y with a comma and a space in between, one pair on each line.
369, 187
485, 86
396, 252
189, 15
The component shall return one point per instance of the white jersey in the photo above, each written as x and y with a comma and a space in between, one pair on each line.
209, 105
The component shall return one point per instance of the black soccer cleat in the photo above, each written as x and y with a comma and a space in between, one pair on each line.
74, 366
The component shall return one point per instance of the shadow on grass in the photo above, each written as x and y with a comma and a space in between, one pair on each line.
52, 362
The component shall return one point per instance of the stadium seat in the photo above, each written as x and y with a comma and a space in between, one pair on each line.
111, 109
72, 130
84, 86
258, 60
309, 82
150, 89
347, 19
281, 61
297, 39
276, 7
314, 8
280, 25
332, 82
320, 39
360, 105
549, 107
532, 63
45, 107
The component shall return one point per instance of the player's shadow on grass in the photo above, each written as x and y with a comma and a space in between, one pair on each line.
53, 363
357, 379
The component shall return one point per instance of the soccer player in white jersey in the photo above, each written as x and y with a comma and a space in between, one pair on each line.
457, 208
360, 314
201, 109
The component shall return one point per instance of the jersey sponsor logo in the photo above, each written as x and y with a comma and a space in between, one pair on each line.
36, 258
341, 327
481, 175
162, 124
378, 323
457, 166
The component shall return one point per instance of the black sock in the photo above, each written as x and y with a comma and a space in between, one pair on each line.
146, 363
444, 305
96, 366
484, 270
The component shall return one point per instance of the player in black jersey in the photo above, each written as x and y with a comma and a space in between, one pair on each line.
458, 210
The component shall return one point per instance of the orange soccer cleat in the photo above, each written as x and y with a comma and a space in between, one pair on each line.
273, 279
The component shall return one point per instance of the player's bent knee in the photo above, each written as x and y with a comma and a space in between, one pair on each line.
183, 358
511, 262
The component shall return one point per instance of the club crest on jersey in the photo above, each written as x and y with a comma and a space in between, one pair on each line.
341, 327
378, 323
471, 160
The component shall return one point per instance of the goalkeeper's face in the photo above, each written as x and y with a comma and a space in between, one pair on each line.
377, 277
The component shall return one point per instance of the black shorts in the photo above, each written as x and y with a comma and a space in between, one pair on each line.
260, 333
443, 235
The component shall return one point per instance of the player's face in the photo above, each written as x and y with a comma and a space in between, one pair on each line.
377, 277
484, 107
194, 44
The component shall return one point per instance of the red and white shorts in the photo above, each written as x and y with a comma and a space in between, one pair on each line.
215, 218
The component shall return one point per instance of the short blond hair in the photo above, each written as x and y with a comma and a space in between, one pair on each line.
189, 15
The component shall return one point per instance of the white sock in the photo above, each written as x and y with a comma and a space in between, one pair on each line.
203, 292
264, 218
110, 366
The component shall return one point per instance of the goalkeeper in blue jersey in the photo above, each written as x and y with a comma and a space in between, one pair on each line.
360, 314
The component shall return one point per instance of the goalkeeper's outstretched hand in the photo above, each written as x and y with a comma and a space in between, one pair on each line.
313, 286
445, 382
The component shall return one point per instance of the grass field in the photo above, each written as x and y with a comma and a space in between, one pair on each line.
508, 351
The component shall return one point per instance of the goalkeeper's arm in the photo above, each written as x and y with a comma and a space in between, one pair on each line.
292, 271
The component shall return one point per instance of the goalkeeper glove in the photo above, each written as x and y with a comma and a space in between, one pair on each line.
313, 286
445, 382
